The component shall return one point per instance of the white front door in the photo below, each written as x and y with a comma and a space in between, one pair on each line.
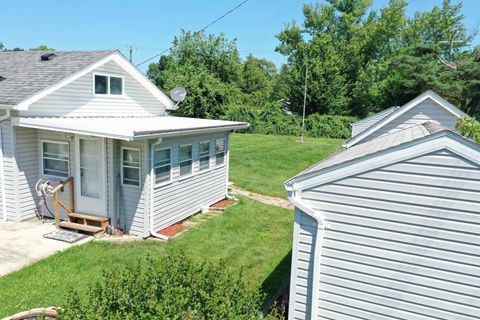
90, 175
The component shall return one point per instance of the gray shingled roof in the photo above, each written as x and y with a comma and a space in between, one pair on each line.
26, 74
381, 143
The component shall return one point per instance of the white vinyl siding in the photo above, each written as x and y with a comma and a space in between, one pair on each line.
26, 154
401, 242
183, 197
10, 171
77, 99
428, 110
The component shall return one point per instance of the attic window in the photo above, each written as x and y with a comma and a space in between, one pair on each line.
47, 56
109, 85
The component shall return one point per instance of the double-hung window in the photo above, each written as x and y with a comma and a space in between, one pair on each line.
162, 162
204, 155
131, 167
185, 160
55, 158
108, 85
219, 152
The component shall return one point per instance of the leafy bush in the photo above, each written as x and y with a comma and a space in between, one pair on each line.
469, 127
329, 126
173, 288
242, 113
273, 120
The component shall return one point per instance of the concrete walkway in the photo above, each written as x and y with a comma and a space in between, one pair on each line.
22, 243
274, 201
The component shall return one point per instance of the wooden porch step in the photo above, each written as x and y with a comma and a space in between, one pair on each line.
81, 227
87, 217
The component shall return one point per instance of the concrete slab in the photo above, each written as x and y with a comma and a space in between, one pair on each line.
22, 243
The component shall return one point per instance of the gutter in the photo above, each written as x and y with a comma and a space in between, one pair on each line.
152, 231
2, 168
295, 200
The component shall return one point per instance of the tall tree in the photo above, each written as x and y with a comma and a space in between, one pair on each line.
337, 41
208, 66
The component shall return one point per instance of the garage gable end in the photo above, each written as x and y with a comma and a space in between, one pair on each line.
429, 106
444, 149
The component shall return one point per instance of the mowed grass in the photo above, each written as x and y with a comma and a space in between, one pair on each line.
249, 234
262, 163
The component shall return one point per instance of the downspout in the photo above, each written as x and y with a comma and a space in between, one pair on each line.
153, 233
295, 200
2, 168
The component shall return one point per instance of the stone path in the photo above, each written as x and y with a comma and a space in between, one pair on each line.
274, 201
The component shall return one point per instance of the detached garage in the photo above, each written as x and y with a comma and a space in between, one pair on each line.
389, 229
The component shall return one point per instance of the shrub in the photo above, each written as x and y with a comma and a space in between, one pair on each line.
242, 113
173, 288
329, 126
469, 127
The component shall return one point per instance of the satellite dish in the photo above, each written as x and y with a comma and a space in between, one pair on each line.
178, 94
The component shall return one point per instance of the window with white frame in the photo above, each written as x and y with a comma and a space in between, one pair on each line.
55, 158
130, 166
104, 84
219, 151
204, 154
185, 160
162, 163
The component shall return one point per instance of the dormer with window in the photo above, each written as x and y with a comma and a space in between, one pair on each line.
108, 84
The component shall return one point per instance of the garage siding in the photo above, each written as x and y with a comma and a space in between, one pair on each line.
401, 242
305, 233
428, 110
183, 197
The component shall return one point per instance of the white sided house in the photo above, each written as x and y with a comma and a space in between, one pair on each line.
389, 229
428, 106
94, 122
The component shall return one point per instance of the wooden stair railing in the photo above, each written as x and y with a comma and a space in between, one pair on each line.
57, 203
76, 221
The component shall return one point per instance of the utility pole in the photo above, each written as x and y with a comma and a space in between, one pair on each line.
131, 53
304, 101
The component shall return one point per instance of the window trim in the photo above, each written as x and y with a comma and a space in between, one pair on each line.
209, 156
42, 172
122, 166
180, 177
224, 152
108, 94
156, 185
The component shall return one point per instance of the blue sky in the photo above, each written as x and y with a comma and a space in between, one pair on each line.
149, 25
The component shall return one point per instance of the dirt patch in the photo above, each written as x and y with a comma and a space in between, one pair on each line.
274, 201
172, 230
222, 204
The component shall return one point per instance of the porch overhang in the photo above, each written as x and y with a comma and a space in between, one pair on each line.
128, 128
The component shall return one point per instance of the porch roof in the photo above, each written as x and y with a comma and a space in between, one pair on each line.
128, 128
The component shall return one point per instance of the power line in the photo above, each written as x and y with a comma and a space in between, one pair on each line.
201, 30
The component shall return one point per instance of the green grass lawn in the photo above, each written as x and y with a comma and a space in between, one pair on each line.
250, 234
261, 163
